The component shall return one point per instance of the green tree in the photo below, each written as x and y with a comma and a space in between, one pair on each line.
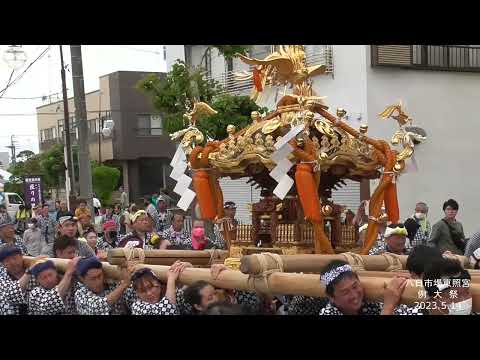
53, 165
50, 165
174, 95
31, 166
105, 181
233, 110
25, 155
227, 51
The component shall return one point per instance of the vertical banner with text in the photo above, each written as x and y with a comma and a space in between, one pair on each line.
33, 190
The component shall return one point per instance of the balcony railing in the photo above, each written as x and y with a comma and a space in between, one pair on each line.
47, 144
155, 131
315, 56
428, 57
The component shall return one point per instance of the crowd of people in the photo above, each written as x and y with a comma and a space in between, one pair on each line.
446, 234
38, 288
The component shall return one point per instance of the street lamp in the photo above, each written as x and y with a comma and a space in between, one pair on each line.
15, 57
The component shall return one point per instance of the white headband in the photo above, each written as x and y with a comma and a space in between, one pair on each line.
330, 276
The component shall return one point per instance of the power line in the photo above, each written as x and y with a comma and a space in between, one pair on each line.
8, 83
22, 98
31, 97
24, 71
58, 113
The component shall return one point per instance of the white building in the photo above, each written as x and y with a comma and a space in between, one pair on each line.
439, 88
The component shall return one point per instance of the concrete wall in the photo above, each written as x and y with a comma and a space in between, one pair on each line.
347, 87
49, 115
127, 102
174, 52
444, 104
106, 149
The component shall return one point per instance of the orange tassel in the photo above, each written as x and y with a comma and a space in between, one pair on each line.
391, 203
307, 192
257, 80
205, 197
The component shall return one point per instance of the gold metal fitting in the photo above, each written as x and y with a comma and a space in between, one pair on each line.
327, 210
309, 115
399, 166
341, 112
231, 129
255, 116
300, 141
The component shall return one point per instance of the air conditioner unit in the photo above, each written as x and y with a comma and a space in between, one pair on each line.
108, 124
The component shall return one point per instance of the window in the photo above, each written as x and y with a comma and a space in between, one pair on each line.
188, 55
93, 126
48, 134
73, 124
208, 63
156, 125
229, 64
260, 51
149, 125
428, 57
15, 199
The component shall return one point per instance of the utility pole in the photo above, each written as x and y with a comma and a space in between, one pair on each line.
70, 175
12, 148
81, 116
100, 126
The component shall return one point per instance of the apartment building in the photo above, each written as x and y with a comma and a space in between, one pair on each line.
137, 145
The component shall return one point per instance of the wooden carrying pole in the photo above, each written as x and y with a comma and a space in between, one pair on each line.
112, 272
273, 283
313, 263
168, 257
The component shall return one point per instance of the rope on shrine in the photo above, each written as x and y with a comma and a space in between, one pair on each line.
394, 263
308, 162
213, 256
134, 256
373, 218
265, 271
355, 261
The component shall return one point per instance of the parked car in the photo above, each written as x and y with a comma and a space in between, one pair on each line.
13, 202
